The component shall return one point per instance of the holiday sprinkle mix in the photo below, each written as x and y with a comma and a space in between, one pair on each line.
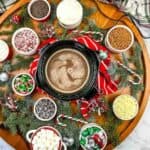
23, 84
45, 109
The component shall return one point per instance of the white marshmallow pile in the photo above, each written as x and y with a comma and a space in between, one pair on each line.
46, 140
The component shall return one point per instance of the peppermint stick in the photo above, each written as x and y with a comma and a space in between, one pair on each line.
69, 118
132, 72
91, 33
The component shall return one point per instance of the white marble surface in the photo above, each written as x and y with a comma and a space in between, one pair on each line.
139, 139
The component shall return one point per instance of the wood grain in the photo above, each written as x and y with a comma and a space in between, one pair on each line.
126, 128
115, 14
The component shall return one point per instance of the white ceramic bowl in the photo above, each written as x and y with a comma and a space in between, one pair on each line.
39, 19
4, 50
30, 135
112, 49
93, 125
73, 16
13, 84
70, 26
31, 52
37, 116
121, 117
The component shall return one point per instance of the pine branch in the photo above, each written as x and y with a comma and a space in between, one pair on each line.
137, 59
7, 67
64, 35
26, 21
6, 22
135, 89
22, 62
87, 11
2, 93
53, 15
125, 59
10, 122
6, 32
111, 126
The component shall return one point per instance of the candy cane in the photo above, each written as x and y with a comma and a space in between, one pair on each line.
132, 72
70, 118
92, 33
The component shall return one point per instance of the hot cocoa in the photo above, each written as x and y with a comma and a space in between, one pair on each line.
67, 71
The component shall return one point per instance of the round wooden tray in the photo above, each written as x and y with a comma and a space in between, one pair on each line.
126, 128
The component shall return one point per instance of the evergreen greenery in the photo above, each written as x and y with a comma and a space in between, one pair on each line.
24, 120
136, 60
21, 62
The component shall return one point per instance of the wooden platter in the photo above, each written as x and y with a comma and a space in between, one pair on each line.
127, 127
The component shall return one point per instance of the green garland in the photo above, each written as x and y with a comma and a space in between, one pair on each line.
136, 60
25, 22
23, 119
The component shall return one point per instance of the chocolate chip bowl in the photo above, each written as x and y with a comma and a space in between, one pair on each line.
67, 70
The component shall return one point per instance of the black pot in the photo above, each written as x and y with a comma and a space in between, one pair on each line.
89, 88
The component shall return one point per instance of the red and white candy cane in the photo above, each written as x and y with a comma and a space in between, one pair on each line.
101, 35
70, 118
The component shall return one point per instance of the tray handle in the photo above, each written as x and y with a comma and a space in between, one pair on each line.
29, 134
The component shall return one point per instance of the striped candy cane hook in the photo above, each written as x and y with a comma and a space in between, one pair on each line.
132, 72
70, 118
101, 35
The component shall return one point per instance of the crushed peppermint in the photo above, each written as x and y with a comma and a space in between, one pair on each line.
25, 40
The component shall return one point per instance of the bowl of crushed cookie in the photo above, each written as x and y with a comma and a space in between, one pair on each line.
119, 39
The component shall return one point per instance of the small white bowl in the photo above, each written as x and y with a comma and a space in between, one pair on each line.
4, 51
32, 134
121, 117
37, 116
93, 125
33, 51
39, 19
17, 92
73, 16
70, 26
112, 49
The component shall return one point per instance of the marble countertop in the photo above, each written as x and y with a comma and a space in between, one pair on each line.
139, 139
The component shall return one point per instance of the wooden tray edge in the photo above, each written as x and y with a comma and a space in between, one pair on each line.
146, 93
146, 63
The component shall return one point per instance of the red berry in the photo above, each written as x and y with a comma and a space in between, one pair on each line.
16, 19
